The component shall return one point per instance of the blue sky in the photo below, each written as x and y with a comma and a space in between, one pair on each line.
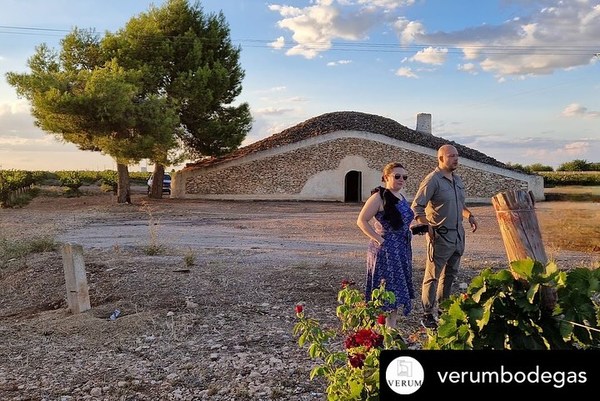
516, 80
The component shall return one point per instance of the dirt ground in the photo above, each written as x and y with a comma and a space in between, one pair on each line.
206, 292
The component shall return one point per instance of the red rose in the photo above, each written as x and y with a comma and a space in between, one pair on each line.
350, 342
357, 360
381, 319
299, 309
367, 338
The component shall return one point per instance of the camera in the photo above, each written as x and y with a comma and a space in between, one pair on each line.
419, 229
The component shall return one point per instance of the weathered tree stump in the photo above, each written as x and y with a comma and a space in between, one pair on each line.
519, 226
515, 212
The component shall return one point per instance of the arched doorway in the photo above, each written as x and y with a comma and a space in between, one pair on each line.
352, 186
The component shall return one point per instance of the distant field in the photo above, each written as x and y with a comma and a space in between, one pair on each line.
576, 226
573, 193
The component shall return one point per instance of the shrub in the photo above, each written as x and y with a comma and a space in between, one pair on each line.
506, 310
351, 366
558, 178
502, 310
15, 250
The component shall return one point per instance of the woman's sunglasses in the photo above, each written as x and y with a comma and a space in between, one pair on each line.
397, 177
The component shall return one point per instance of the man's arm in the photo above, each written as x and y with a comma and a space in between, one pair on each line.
422, 197
470, 217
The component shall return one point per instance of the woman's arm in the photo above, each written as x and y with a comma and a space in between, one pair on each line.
370, 208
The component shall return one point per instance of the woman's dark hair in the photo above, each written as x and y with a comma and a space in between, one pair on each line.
390, 212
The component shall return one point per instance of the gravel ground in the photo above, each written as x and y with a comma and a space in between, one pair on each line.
206, 292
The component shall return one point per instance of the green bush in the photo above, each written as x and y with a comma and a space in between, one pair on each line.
11, 181
73, 180
13, 251
561, 178
506, 310
351, 367
576, 165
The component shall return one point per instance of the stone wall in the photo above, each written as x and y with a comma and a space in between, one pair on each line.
314, 169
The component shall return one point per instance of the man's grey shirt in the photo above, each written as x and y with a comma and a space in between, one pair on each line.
441, 201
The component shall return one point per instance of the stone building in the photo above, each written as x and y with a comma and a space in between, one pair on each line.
339, 157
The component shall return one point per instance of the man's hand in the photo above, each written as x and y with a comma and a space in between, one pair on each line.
473, 223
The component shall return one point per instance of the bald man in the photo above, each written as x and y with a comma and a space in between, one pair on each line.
440, 203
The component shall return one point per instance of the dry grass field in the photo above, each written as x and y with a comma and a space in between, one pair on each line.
206, 291
571, 225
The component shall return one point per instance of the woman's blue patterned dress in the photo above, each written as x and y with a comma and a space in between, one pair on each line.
392, 261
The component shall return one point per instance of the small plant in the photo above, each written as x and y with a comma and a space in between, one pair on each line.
508, 310
23, 198
154, 249
109, 182
72, 181
189, 258
154, 246
108, 187
351, 366
17, 250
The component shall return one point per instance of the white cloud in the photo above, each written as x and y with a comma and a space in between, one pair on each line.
577, 148
16, 115
431, 55
277, 89
559, 37
387, 4
529, 150
274, 89
263, 128
577, 110
315, 27
406, 72
279, 43
339, 62
272, 111
564, 153
469, 68
407, 30
297, 99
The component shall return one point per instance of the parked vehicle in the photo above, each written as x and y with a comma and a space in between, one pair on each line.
166, 187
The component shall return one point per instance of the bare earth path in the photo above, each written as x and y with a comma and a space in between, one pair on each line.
220, 329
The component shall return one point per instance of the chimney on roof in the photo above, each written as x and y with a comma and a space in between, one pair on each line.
424, 123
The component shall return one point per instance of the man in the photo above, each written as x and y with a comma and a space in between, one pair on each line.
440, 203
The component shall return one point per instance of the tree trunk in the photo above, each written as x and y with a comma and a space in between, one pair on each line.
123, 189
521, 233
519, 226
156, 190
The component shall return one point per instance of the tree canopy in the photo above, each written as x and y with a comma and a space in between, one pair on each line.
162, 84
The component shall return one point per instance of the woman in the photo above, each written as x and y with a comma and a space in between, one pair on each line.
389, 256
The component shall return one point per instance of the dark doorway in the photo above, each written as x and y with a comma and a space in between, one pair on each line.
352, 186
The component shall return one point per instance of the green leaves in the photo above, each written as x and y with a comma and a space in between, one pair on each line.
352, 368
508, 310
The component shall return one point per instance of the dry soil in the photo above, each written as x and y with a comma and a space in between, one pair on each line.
206, 292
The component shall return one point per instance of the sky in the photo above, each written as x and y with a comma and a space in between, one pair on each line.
518, 80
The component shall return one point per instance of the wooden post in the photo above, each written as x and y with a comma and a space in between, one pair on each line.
78, 296
519, 226
521, 233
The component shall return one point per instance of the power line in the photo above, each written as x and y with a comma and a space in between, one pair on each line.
25, 28
506, 50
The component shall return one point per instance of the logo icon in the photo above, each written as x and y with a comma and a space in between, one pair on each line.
404, 375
